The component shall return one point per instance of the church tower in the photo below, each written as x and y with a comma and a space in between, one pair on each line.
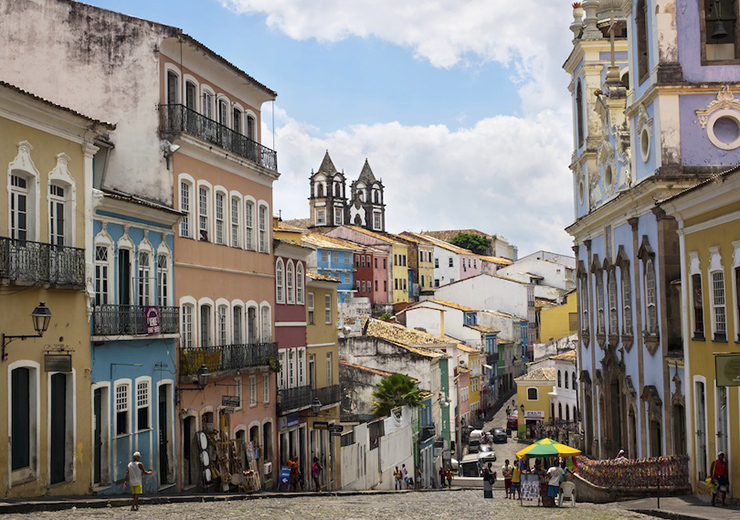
367, 208
328, 199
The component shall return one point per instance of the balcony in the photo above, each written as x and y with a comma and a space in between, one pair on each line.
328, 395
226, 357
131, 320
492, 359
175, 119
35, 263
290, 399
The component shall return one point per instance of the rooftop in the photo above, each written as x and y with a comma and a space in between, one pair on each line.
545, 374
497, 260
320, 277
413, 340
481, 328
326, 242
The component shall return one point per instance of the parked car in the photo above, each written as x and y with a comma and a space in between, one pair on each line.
454, 465
486, 454
473, 445
499, 435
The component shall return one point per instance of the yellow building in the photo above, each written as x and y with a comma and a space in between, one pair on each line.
474, 386
285, 232
323, 373
708, 218
47, 153
559, 321
532, 392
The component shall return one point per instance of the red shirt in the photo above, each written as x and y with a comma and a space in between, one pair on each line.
720, 468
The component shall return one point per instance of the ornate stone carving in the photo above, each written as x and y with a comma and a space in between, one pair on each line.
725, 100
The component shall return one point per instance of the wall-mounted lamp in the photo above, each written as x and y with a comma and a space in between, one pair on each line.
41, 317
169, 149
316, 406
203, 374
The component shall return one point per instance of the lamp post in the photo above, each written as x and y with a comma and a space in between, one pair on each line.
41, 316
202, 375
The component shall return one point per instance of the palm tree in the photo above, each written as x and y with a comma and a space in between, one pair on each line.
394, 391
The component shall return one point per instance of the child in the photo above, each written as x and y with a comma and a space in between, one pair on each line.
134, 474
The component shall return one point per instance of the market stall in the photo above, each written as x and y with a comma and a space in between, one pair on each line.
533, 482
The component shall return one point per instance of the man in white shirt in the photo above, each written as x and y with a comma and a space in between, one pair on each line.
134, 474
553, 485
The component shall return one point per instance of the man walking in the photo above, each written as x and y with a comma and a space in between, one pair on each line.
720, 481
133, 478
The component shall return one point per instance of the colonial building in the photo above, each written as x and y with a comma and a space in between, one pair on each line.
649, 105
47, 155
330, 206
709, 238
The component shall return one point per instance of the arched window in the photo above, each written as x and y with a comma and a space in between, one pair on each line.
613, 310
222, 312
600, 318
560, 411
263, 230
565, 378
237, 314
299, 284
567, 413
626, 301
249, 225
290, 282
643, 58
559, 379
173, 87
279, 281
186, 325
252, 325
579, 114
651, 298
573, 380
266, 325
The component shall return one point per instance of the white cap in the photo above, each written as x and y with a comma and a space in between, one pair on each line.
137, 455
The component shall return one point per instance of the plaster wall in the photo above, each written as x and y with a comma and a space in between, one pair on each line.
488, 292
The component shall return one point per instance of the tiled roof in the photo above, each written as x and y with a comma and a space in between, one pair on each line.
538, 374
326, 242
481, 328
320, 277
117, 195
109, 126
454, 305
300, 223
410, 339
327, 165
497, 260
284, 225
369, 233
544, 302
446, 245
468, 348
565, 356
364, 368
499, 314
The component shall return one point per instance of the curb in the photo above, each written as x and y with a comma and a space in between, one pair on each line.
671, 515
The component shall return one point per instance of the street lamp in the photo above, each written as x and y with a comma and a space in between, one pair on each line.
316, 406
41, 316
202, 374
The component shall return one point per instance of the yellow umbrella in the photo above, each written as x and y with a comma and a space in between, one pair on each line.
547, 448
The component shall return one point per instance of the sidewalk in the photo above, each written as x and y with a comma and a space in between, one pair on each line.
688, 507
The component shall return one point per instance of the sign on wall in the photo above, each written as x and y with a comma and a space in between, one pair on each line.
727, 367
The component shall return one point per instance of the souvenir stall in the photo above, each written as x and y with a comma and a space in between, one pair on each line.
546, 452
227, 464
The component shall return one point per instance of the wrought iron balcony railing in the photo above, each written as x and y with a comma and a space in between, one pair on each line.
295, 398
179, 118
226, 357
38, 263
135, 320
328, 394
492, 359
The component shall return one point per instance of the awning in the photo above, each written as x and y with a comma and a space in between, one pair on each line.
489, 367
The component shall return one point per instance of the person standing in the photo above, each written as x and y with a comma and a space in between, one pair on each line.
449, 478
720, 480
507, 471
442, 477
516, 482
405, 473
489, 479
134, 477
296, 479
397, 475
316, 469
553, 484
419, 476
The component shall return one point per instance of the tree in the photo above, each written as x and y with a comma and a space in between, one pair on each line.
394, 391
476, 243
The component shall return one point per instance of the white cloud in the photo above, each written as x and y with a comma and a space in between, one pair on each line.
506, 175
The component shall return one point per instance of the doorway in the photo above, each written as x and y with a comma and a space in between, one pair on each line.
163, 425
58, 429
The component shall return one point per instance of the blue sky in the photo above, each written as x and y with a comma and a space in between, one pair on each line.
460, 107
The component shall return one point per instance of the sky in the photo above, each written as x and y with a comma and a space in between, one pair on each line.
461, 107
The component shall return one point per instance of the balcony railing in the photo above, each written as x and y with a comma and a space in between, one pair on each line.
134, 320
295, 398
328, 394
179, 118
226, 357
39, 263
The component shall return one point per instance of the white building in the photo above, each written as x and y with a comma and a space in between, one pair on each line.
546, 272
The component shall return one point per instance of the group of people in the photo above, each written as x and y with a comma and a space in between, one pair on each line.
550, 479
296, 476
445, 478
403, 478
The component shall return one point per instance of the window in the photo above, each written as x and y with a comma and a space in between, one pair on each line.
327, 309
251, 128
236, 325
320, 216
376, 263
144, 278
532, 394
566, 379
223, 112
203, 209
187, 326
205, 326
309, 304
573, 385
290, 282
719, 28
385, 263
579, 114
235, 222
219, 218
698, 304
56, 215
299, 284
173, 88
263, 229
101, 275
252, 325
325, 257
376, 285
279, 282
377, 221
346, 258
221, 314
236, 120
249, 225
559, 380
338, 214
643, 61
266, 325
718, 305
651, 296
142, 405
329, 362
18, 208
626, 300
335, 258
265, 388
450, 262
385, 285
252, 390
163, 284
207, 104
613, 310
238, 391
291, 368
122, 409
190, 95
600, 318
185, 194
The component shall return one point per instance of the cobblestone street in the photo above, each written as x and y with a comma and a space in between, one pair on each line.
433, 504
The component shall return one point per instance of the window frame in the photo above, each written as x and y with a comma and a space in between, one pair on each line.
536, 393
310, 308
250, 242
279, 281
146, 383
327, 309
122, 405
300, 284
290, 282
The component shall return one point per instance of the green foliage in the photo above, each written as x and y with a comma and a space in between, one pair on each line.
385, 317
394, 391
475, 243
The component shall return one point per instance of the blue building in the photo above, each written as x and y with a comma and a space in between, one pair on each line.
334, 258
134, 329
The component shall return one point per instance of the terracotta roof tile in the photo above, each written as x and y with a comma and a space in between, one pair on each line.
410, 339
538, 374
326, 242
